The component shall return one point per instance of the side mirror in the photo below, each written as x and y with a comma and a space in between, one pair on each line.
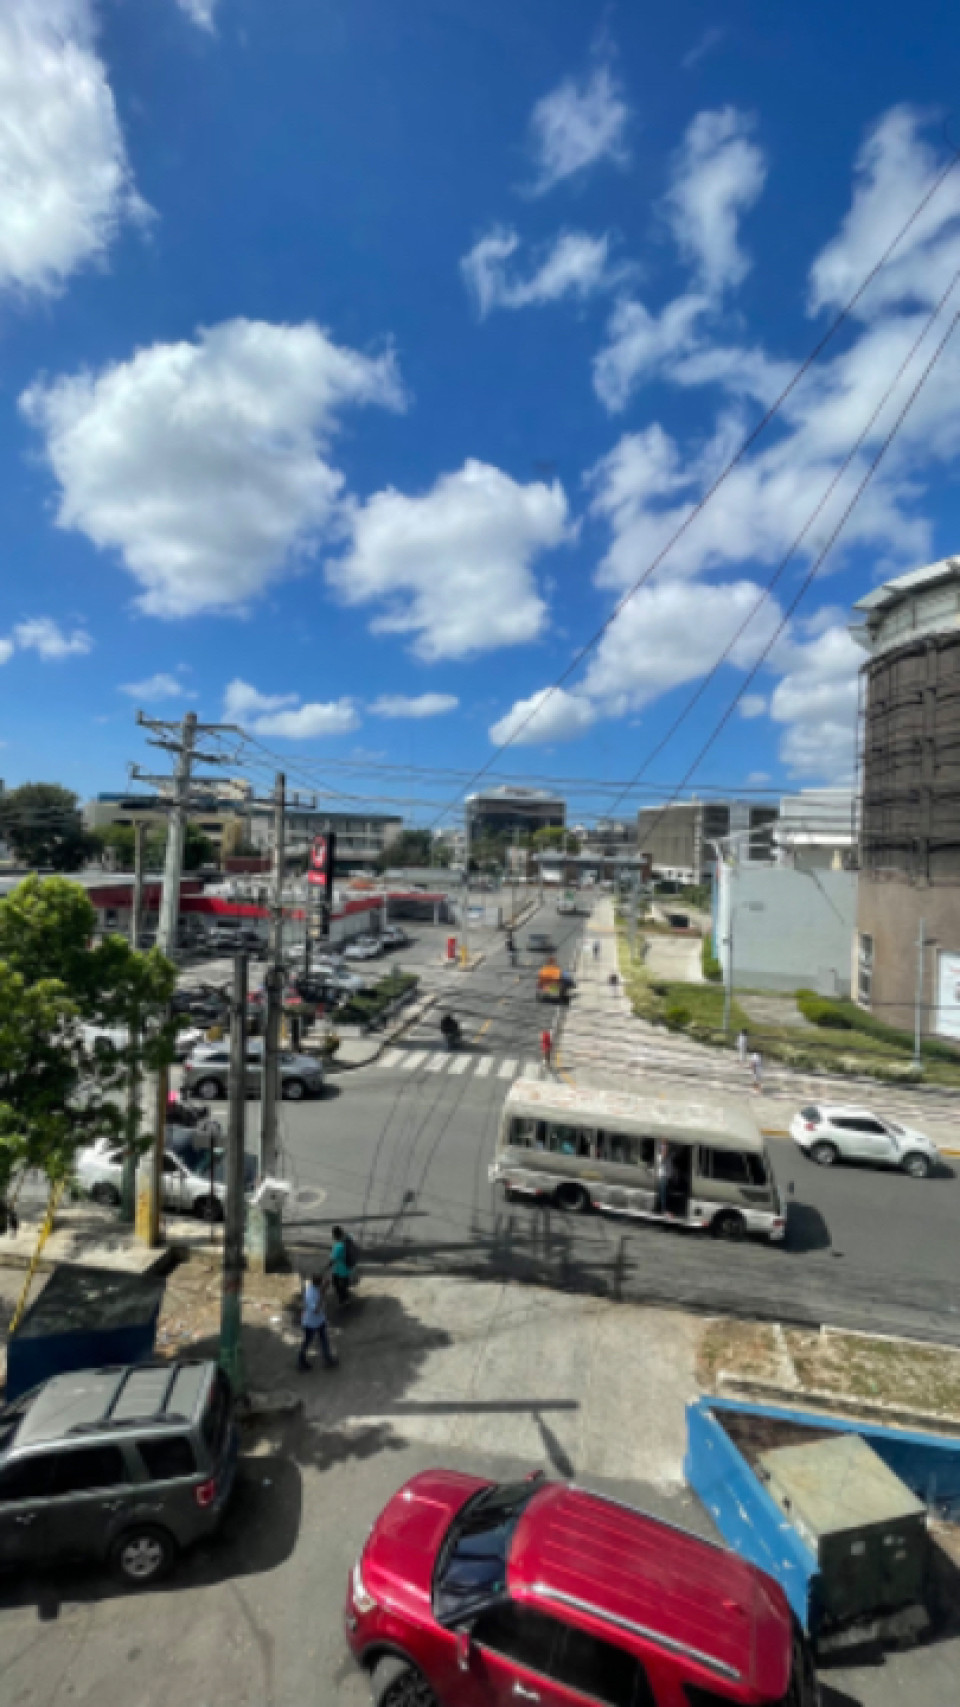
464, 1649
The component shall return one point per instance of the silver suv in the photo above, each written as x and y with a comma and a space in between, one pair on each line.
207, 1069
125, 1465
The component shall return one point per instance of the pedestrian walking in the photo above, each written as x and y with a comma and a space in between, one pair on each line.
546, 1046
342, 1264
314, 1324
742, 1046
756, 1068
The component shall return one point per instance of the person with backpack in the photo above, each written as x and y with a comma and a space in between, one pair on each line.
343, 1263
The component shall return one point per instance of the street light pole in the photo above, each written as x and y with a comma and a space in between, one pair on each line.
231, 1305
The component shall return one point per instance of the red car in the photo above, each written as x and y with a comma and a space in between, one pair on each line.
471, 1593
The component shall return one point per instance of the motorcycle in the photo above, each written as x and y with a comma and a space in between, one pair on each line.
450, 1031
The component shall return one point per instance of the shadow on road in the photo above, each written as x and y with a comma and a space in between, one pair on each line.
806, 1229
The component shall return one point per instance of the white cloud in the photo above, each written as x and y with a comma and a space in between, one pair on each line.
201, 12
65, 184
419, 705
576, 125
6, 650
756, 779
718, 175
817, 702
575, 265
672, 632
547, 716
204, 464
282, 714
894, 170
307, 722
753, 705
241, 701
42, 635
453, 566
640, 342
153, 688
711, 38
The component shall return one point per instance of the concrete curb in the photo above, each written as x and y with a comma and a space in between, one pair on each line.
416, 1012
257, 1407
870, 1410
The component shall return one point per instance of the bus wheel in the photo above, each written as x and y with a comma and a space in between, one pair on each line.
728, 1225
573, 1198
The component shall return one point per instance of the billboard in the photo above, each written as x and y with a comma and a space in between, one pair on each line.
947, 1022
321, 866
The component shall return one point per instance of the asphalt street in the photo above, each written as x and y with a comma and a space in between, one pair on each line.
400, 1149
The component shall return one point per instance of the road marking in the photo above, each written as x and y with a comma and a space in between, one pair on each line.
484, 1065
530, 1070
507, 1069
413, 1060
460, 1063
437, 1061
391, 1058
485, 1027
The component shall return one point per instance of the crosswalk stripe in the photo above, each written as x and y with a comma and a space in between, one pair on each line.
413, 1060
460, 1063
530, 1070
507, 1069
483, 1066
391, 1058
437, 1061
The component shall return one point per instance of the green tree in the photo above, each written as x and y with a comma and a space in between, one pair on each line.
42, 823
59, 1089
122, 838
198, 849
410, 848
550, 837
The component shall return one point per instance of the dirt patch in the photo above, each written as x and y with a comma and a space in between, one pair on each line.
846, 1366
190, 1313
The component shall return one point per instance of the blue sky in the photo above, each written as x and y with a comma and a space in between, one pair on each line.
356, 360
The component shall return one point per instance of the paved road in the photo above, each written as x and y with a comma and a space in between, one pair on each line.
254, 1618
402, 1148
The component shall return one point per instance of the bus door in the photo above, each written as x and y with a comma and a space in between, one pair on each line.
674, 1165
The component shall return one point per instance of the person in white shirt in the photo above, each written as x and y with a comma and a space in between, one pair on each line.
314, 1324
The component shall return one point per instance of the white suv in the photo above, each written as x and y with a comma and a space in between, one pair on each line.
842, 1133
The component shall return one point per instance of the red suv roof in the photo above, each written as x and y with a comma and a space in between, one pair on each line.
608, 1565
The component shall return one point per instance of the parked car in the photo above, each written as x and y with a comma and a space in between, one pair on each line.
125, 1465
394, 936
362, 948
206, 1004
232, 938
474, 1592
193, 1175
206, 1072
317, 991
837, 1132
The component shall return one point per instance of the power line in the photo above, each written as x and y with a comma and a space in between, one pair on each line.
814, 570
795, 545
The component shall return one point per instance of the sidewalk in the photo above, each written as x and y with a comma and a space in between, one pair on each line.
594, 993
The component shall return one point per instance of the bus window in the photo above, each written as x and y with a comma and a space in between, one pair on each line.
633, 1152
732, 1167
524, 1135
562, 1140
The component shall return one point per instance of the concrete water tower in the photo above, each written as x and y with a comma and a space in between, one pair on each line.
908, 913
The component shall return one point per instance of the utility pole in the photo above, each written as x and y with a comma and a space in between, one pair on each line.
466, 876
136, 919
273, 989
156, 1158
179, 739
231, 1306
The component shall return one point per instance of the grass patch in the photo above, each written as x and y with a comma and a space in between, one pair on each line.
845, 1366
368, 1005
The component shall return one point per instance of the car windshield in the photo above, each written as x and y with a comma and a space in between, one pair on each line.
472, 1565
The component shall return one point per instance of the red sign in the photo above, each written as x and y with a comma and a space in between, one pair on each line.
320, 869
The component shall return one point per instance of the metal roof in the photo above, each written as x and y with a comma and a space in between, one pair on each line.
88, 1400
901, 586
724, 1125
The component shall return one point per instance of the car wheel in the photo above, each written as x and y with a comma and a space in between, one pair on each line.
397, 1683
825, 1154
293, 1090
209, 1209
573, 1198
143, 1555
728, 1225
108, 1195
916, 1165
209, 1089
